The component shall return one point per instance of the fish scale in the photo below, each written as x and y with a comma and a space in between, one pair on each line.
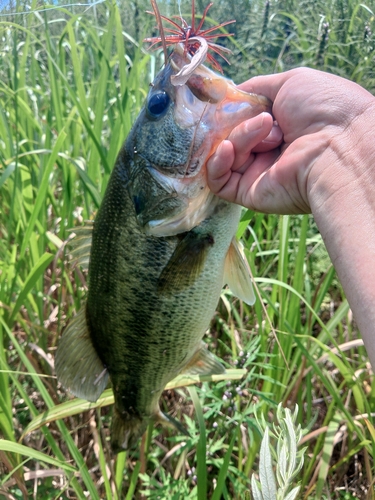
162, 247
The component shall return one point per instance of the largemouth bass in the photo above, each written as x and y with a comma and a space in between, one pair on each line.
162, 248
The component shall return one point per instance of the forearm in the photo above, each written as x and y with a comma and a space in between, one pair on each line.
342, 200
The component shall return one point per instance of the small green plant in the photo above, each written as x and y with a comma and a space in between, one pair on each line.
288, 459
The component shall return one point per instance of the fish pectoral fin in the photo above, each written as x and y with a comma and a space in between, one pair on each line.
81, 244
203, 363
237, 274
77, 365
186, 263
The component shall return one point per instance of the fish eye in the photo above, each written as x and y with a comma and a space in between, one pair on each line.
158, 104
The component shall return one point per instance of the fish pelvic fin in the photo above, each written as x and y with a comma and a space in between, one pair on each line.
237, 273
126, 430
203, 363
77, 364
80, 244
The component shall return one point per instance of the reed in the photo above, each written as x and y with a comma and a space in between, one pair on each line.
72, 80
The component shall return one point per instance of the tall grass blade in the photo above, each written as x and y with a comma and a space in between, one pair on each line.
35, 273
34, 454
223, 471
201, 447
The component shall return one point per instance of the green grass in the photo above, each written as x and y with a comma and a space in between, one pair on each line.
71, 84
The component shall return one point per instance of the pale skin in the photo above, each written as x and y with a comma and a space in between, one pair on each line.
318, 158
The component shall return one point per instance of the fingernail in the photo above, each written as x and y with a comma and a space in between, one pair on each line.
259, 120
275, 135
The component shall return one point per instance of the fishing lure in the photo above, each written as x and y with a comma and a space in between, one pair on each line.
196, 41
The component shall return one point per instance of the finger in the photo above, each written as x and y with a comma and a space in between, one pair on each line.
272, 141
237, 187
234, 186
234, 153
279, 189
247, 135
220, 163
261, 165
268, 85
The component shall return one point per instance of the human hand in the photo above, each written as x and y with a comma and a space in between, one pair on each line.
319, 115
324, 165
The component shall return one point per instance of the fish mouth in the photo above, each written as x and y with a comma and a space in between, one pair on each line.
211, 87
211, 102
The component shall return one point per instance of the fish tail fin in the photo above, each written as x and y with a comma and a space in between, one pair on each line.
126, 431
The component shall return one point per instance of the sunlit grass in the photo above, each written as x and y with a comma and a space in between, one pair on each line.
71, 85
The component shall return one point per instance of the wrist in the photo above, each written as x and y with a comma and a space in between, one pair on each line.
342, 180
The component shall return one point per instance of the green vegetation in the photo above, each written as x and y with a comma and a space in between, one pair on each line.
72, 80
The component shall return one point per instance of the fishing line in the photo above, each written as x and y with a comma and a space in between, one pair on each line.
179, 8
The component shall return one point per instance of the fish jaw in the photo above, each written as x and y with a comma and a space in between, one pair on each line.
196, 198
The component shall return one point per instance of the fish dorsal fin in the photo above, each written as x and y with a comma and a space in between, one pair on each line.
203, 363
77, 365
237, 274
186, 263
80, 244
